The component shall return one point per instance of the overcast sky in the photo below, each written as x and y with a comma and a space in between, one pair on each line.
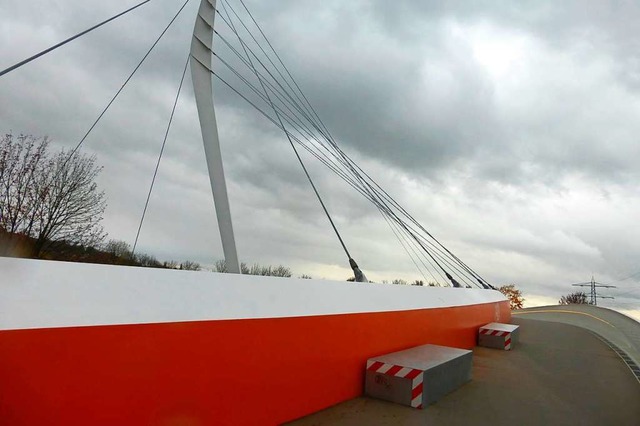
510, 132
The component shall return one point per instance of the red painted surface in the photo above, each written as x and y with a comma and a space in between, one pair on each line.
253, 372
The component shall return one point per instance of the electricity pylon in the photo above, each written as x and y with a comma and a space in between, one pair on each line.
594, 295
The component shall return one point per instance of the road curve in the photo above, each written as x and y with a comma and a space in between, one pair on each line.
619, 331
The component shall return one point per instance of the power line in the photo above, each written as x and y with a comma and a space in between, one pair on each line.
626, 278
594, 290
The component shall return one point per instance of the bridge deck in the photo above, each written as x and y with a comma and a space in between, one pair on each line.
619, 330
558, 374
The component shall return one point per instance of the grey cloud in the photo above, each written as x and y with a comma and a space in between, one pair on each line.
393, 109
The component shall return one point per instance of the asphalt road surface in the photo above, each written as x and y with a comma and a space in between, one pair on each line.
559, 374
618, 329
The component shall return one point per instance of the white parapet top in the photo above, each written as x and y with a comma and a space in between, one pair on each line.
42, 294
421, 357
500, 327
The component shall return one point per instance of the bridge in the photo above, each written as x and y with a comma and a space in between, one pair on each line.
114, 345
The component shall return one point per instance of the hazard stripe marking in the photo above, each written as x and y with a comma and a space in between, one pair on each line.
404, 371
415, 375
493, 332
384, 368
498, 333
393, 370
375, 365
417, 391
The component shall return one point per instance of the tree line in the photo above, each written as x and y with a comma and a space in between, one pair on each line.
51, 207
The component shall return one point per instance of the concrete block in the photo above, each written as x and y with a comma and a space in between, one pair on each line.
418, 376
499, 336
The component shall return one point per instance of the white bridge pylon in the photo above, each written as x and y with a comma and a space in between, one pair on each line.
201, 48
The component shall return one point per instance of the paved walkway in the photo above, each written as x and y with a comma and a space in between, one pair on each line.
559, 374
620, 331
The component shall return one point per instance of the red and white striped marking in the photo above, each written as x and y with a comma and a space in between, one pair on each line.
507, 342
498, 333
414, 374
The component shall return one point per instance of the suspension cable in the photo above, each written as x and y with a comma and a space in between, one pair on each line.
304, 168
128, 79
351, 173
406, 228
62, 43
383, 208
164, 142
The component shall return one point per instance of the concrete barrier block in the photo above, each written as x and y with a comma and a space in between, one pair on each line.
499, 336
418, 376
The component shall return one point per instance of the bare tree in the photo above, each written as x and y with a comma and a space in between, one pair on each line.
69, 206
171, 264
49, 198
221, 266
280, 271
118, 248
147, 260
189, 265
272, 271
577, 298
256, 269
21, 160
